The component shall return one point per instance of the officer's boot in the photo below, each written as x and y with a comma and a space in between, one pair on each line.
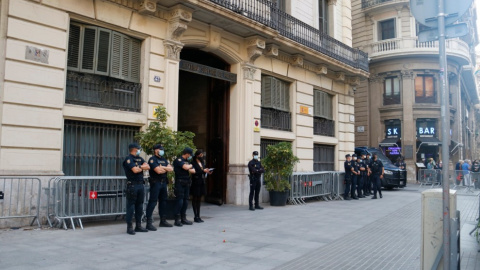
251, 208
150, 226
163, 222
130, 229
257, 206
138, 227
177, 221
185, 221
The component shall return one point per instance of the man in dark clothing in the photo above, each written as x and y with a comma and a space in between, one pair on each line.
377, 174
256, 169
134, 165
348, 176
476, 173
368, 182
362, 165
182, 169
355, 175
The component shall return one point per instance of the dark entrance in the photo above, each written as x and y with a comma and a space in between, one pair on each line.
204, 110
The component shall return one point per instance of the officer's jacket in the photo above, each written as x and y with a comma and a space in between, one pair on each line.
180, 173
355, 165
348, 165
154, 162
362, 164
130, 162
376, 167
476, 167
255, 168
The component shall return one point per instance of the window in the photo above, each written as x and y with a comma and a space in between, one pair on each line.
323, 123
323, 16
264, 143
386, 29
95, 149
391, 91
323, 157
275, 104
425, 89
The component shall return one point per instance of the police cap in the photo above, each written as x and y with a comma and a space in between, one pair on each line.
133, 145
255, 153
158, 146
354, 155
347, 155
188, 150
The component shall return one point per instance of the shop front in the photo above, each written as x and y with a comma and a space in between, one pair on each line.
392, 144
428, 143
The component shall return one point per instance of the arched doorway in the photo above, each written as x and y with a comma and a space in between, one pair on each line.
204, 110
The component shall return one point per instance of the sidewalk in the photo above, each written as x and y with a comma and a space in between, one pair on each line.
364, 234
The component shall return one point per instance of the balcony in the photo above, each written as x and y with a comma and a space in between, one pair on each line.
391, 99
402, 47
276, 119
323, 127
267, 13
373, 5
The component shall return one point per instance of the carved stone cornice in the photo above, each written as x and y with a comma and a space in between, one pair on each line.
297, 60
271, 50
375, 78
407, 73
249, 71
353, 80
172, 49
339, 76
321, 70
147, 7
179, 18
255, 46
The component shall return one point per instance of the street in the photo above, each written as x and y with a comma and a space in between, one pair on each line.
364, 234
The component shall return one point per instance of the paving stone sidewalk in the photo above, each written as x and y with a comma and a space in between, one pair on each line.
316, 236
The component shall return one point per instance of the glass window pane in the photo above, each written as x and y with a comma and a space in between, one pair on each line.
429, 87
419, 86
388, 87
396, 86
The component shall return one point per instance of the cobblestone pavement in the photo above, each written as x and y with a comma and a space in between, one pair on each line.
364, 234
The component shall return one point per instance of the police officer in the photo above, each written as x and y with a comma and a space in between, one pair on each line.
362, 167
476, 173
182, 169
256, 169
134, 165
377, 174
355, 174
348, 176
159, 168
368, 182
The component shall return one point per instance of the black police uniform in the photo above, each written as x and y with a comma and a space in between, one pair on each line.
476, 174
376, 167
368, 178
182, 189
135, 191
362, 164
354, 179
348, 178
158, 190
256, 169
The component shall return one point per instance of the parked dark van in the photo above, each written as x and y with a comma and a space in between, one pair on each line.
394, 176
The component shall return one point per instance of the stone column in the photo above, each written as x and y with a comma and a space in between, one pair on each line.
409, 138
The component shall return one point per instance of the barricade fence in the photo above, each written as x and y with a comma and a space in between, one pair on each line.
319, 185
74, 198
430, 177
20, 198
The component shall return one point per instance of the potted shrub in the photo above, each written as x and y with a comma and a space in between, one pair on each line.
279, 164
173, 143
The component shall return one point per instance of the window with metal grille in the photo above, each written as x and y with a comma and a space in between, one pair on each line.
323, 123
275, 113
95, 149
323, 157
391, 91
264, 143
386, 29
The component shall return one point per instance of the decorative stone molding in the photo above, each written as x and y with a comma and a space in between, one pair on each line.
407, 73
297, 60
271, 50
353, 81
249, 71
147, 7
180, 16
172, 49
375, 78
255, 46
339, 76
321, 70
332, 2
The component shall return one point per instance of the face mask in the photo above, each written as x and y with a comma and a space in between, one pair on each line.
161, 152
255, 157
138, 152
189, 158
354, 158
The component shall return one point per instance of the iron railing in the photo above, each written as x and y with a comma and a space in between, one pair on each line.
276, 119
323, 126
371, 3
323, 157
267, 13
103, 92
391, 99
432, 99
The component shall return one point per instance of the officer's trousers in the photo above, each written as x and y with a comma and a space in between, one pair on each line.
255, 186
348, 183
367, 184
182, 192
377, 185
158, 192
136, 204
360, 179
354, 185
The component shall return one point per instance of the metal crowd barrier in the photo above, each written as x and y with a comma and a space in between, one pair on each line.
466, 179
71, 198
320, 185
20, 198
431, 177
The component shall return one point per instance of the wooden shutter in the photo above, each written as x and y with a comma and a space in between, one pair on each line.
267, 92
317, 105
103, 52
125, 63
88, 49
116, 56
74, 46
276, 96
135, 63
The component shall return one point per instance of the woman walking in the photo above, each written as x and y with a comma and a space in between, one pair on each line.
198, 183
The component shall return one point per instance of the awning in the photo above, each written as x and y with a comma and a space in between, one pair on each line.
388, 142
430, 141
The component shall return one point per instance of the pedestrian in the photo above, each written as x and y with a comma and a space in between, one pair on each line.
134, 165
362, 164
348, 176
377, 174
466, 172
198, 183
159, 167
430, 164
401, 163
475, 169
368, 182
182, 169
355, 174
458, 171
256, 169
438, 170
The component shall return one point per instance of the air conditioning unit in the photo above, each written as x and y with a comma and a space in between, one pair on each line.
147, 7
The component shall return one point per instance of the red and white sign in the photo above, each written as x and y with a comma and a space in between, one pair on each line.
93, 195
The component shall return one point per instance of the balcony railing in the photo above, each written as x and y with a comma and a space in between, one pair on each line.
103, 92
323, 126
276, 119
432, 99
391, 99
267, 13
